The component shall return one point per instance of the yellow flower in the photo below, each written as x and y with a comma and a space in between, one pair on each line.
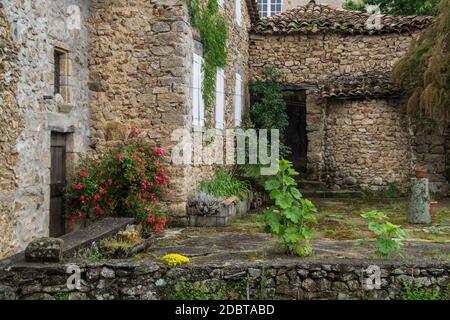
174, 259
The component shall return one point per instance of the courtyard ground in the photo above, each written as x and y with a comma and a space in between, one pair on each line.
341, 233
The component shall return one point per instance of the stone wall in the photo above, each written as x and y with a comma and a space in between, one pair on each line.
237, 62
140, 62
367, 144
282, 279
37, 27
11, 123
314, 59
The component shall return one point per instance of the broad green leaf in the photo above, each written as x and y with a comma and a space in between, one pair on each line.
292, 172
376, 228
284, 164
293, 214
272, 184
291, 235
374, 215
308, 205
284, 200
295, 193
274, 193
273, 220
289, 181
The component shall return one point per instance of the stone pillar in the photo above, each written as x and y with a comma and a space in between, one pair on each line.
419, 205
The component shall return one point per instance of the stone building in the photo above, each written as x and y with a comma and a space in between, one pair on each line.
76, 75
356, 133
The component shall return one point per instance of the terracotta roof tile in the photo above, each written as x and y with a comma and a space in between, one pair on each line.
313, 18
367, 86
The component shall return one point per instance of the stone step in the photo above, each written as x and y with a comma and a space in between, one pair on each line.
333, 194
312, 185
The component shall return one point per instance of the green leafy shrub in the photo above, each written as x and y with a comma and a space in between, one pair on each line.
291, 215
389, 237
268, 109
128, 181
415, 293
214, 33
224, 185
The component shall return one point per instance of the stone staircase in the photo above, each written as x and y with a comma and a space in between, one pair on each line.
318, 189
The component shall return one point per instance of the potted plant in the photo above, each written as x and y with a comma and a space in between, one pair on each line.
433, 207
420, 172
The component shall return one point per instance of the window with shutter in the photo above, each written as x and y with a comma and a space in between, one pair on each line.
238, 101
238, 12
220, 99
198, 106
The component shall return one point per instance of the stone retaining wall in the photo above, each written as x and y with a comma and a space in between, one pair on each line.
290, 279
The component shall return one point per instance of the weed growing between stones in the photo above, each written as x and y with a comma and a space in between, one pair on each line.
414, 292
61, 295
204, 290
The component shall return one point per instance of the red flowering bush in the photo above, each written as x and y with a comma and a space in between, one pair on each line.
129, 181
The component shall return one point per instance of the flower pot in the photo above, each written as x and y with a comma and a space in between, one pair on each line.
433, 207
421, 173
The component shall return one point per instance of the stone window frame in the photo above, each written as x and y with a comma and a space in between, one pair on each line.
65, 72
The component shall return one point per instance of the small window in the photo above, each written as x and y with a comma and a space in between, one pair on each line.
220, 2
62, 73
238, 12
58, 56
238, 100
220, 99
268, 8
198, 105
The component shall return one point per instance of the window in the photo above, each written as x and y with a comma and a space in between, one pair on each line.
198, 105
268, 8
220, 2
61, 74
58, 56
238, 12
238, 100
220, 99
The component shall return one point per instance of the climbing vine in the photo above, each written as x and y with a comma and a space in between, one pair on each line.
214, 33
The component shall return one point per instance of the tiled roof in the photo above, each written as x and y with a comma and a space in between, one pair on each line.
368, 86
312, 18
253, 11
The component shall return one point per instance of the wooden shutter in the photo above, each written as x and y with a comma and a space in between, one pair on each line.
220, 98
198, 106
238, 12
238, 100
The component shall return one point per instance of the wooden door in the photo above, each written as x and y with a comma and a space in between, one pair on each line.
296, 135
57, 184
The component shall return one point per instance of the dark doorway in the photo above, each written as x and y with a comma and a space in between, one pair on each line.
57, 184
296, 137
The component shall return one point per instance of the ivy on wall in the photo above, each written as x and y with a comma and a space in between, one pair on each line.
214, 33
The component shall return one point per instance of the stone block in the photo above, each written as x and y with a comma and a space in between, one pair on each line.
44, 250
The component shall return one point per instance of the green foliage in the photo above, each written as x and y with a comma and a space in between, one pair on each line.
61, 295
225, 185
230, 290
268, 110
389, 237
128, 181
291, 215
424, 72
354, 5
396, 7
214, 33
415, 293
